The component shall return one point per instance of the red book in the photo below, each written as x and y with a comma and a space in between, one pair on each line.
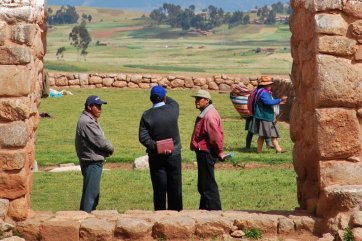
165, 145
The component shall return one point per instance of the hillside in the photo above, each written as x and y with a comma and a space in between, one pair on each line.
146, 5
130, 44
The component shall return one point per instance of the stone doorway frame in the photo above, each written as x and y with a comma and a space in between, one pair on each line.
326, 120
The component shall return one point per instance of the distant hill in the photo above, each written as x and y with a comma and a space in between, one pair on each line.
147, 5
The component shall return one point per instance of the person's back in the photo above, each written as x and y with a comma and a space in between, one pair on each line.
162, 123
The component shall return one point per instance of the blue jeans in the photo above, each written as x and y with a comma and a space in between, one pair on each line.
92, 173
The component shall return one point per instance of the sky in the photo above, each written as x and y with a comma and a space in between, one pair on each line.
149, 5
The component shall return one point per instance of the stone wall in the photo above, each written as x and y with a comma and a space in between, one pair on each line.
326, 119
282, 85
22, 48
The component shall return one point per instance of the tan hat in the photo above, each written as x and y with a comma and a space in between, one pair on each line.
265, 80
202, 94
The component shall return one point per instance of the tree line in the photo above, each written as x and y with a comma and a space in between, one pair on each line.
66, 15
211, 17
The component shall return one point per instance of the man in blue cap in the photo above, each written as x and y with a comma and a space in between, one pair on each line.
159, 124
92, 148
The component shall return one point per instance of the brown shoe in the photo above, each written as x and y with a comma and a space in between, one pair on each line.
281, 151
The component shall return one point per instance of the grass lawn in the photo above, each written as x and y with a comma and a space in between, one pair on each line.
120, 121
272, 188
245, 189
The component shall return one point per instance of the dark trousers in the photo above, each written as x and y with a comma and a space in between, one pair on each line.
206, 183
166, 179
92, 173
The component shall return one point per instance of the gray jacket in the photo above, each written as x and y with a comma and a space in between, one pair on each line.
90, 142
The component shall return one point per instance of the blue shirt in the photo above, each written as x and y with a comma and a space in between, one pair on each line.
264, 107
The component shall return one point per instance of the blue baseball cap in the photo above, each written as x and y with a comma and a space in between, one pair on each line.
158, 91
94, 100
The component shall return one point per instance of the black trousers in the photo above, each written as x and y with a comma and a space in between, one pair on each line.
166, 179
206, 183
92, 173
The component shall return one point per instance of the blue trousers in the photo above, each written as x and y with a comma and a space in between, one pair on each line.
166, 179
206, 183
92, 173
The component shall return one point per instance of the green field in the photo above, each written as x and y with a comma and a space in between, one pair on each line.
120, 121
133, 46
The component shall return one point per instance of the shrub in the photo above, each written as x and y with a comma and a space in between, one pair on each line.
253, 233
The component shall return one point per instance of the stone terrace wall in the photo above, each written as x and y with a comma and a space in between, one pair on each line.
22, 47
282, 86
326, 119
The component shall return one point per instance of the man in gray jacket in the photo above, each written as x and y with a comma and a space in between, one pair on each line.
92, 148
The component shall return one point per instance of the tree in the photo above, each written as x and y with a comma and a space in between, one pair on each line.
60, 52
80, 38
65, 15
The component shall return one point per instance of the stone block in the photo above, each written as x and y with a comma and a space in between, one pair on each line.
337, 45
14, 55
332, 24
74, 82
14, 134
211, 226
326, 5
337, 82
174, 228
55, 230
340, 172
4, 207
213, 86
356, 219
135, 78
61, 81
357, 28
353, 8
358, 55
144, 85
14, 109
96, 229
18, 208
23, 33
18, 14
308, 223
108, 82
83, 79
94, 80
133, 228
13, 184
3, 33
200, 81
338, 199
357, 234
263, 222
177, 83
338, 133
14, 80
119, 84
189, 83
12, 160
121, 77
285, 225
73, 215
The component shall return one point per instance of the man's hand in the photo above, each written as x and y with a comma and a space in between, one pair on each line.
167, 152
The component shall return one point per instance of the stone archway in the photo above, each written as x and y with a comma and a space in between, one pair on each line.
326, 123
